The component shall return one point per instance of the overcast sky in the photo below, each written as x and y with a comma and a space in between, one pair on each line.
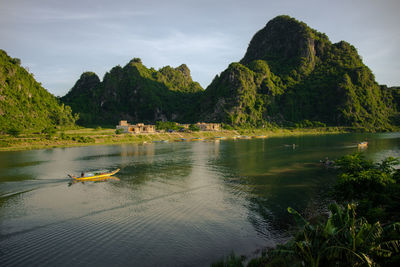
58, 40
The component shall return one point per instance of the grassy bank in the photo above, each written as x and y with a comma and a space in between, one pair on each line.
99, 136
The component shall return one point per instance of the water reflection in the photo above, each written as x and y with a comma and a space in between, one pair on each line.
183, 203
96, 180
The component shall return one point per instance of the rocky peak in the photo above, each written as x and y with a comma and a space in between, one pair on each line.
88, 80
285, 42
185, 71
84, 85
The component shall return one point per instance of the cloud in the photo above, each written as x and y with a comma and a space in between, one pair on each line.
73, 36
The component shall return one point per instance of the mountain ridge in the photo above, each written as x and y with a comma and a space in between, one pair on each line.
292, 73
135, 93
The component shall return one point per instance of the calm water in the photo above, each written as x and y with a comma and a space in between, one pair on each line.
176, 204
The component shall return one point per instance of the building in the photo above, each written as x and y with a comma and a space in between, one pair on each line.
184, 126
208, 126
136, 128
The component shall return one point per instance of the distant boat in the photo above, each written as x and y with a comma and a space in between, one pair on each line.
362, 145
90, 176
260, 136
197, 139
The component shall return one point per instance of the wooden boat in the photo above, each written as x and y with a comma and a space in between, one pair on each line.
362, 145
101, 179
95, 175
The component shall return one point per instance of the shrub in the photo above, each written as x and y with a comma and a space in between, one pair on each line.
194, 128
49, 132
341, 240
226, 126
14, 131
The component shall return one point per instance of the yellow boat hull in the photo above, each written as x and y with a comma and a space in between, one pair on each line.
102, 175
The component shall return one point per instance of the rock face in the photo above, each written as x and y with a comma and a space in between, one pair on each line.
292, 73
25, 106
286, 42
134, 93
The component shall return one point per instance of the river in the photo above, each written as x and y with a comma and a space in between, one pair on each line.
171, 204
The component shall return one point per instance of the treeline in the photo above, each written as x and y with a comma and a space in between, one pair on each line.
363, 226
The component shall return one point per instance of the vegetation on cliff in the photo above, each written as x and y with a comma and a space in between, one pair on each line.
134, 93
25, 106
291, 73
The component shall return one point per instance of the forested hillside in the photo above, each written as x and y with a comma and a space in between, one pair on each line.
134, 93
25, 106
292, 73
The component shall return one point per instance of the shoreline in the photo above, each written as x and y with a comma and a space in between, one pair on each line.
91, 137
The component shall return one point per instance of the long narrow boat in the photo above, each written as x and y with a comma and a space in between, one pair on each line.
95, 175
363, 145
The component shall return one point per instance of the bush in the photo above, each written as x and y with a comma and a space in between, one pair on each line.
49, 132
226, 126
194, 128
343, 239
63, 136
83, 139
119, 131
374, 186
167, 125
14, 131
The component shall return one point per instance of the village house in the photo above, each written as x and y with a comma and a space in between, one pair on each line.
184, 126
136, 128
208, 126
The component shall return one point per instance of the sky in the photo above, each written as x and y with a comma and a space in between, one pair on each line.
58, 40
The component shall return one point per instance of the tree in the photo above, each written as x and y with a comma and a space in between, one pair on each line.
341, 240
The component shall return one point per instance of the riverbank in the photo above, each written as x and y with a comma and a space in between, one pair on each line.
99, 136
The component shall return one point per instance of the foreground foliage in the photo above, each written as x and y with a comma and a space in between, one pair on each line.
362, 229
375, 187
344, 239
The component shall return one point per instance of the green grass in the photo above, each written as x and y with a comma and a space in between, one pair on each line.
101, 136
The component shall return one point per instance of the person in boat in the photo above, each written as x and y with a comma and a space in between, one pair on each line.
327, 162
82, 174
